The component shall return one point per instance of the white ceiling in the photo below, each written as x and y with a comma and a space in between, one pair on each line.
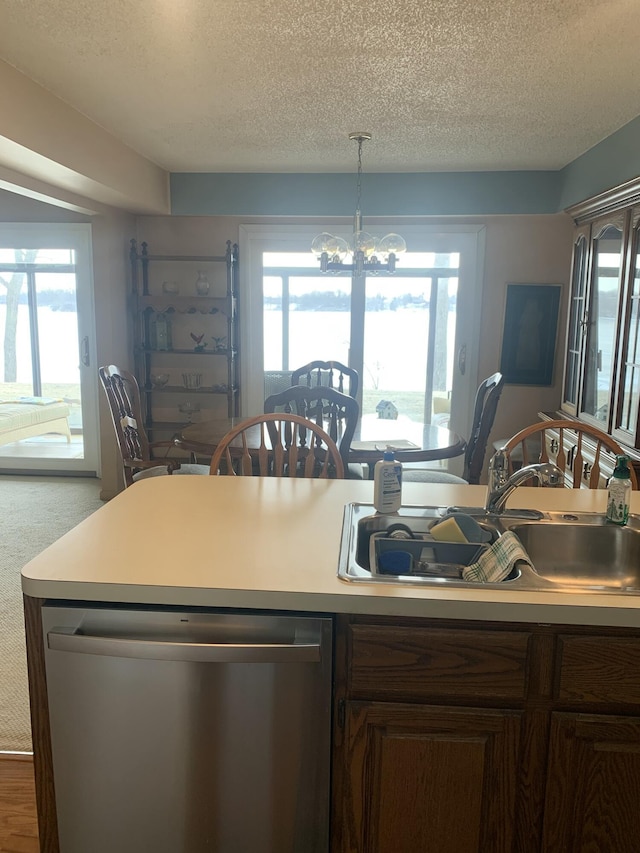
277, 85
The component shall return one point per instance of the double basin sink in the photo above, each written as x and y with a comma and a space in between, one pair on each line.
570, 552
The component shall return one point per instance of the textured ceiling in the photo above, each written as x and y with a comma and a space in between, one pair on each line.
277, 85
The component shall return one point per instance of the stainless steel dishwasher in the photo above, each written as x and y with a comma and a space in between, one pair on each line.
184, 732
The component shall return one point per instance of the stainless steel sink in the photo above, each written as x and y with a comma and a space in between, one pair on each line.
361, 522
570, 552
588, 553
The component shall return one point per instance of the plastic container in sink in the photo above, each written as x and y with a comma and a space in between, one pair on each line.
421, 556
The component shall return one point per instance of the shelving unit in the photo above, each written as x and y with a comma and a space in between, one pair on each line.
185, 340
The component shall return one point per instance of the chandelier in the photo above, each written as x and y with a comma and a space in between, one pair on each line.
367, 254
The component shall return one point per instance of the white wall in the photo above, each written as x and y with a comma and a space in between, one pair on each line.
111, 235
524, 250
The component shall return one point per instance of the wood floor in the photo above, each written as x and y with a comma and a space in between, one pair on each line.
18, 825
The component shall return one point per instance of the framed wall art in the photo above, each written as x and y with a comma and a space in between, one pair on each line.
529, 334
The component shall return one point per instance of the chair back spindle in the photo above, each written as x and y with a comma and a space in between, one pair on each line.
573, 437
288, 446
328, 374
334, 412
136, 451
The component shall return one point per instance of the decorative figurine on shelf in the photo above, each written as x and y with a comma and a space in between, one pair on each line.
219, 344
199, 346
192, 381
202, 283
189, 409
160, 332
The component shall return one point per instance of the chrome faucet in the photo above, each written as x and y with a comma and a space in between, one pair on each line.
500, 487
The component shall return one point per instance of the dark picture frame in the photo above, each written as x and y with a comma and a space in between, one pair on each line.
529, 334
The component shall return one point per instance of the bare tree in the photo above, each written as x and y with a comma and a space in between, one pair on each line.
13, 285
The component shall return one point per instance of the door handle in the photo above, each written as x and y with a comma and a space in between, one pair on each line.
123, 647
84, 351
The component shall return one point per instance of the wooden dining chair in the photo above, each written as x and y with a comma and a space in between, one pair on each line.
569, 453
484, 413
139, 455
288, 446
330, 409
331, 374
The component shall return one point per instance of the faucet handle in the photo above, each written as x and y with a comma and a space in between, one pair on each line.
554, 476
499, 459
498, 468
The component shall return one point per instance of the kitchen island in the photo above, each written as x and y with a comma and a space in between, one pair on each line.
521, 708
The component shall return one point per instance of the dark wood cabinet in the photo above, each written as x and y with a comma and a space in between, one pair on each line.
592, 801
437, 779
485, 737
602, 355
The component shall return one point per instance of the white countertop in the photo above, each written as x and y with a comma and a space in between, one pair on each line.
266, 543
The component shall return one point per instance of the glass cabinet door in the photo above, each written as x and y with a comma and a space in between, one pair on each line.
626, 425
602, 320
576, 325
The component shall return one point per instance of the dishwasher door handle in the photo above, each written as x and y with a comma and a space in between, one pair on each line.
122, 647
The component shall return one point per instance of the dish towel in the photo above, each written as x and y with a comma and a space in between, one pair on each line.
496, 562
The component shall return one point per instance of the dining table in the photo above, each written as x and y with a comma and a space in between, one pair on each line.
411, 441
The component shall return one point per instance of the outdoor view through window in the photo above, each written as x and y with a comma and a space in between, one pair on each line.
397, 330
39, 358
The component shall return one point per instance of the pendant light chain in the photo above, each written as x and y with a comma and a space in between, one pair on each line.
359, 181
367, 252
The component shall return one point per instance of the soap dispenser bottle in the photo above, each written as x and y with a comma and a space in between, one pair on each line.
387, 483
619, 492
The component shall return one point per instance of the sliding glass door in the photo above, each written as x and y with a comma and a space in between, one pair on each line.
48, 416
410, 336
370, 323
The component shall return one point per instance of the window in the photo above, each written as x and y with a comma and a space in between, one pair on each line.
46, 316
414, 334
306, 313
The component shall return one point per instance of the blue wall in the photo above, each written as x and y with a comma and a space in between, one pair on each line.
398, 194
611, 162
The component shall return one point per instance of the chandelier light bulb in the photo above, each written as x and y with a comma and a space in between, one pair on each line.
364, 242
323, 243
392, 244
339, 249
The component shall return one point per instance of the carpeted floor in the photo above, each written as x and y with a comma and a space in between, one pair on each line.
34, 512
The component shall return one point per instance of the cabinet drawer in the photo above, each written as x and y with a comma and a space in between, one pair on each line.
420, 664
603, 670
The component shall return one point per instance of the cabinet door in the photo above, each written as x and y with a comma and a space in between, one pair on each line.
429, 779
576, 323
602, 321
593, 788
626, 426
